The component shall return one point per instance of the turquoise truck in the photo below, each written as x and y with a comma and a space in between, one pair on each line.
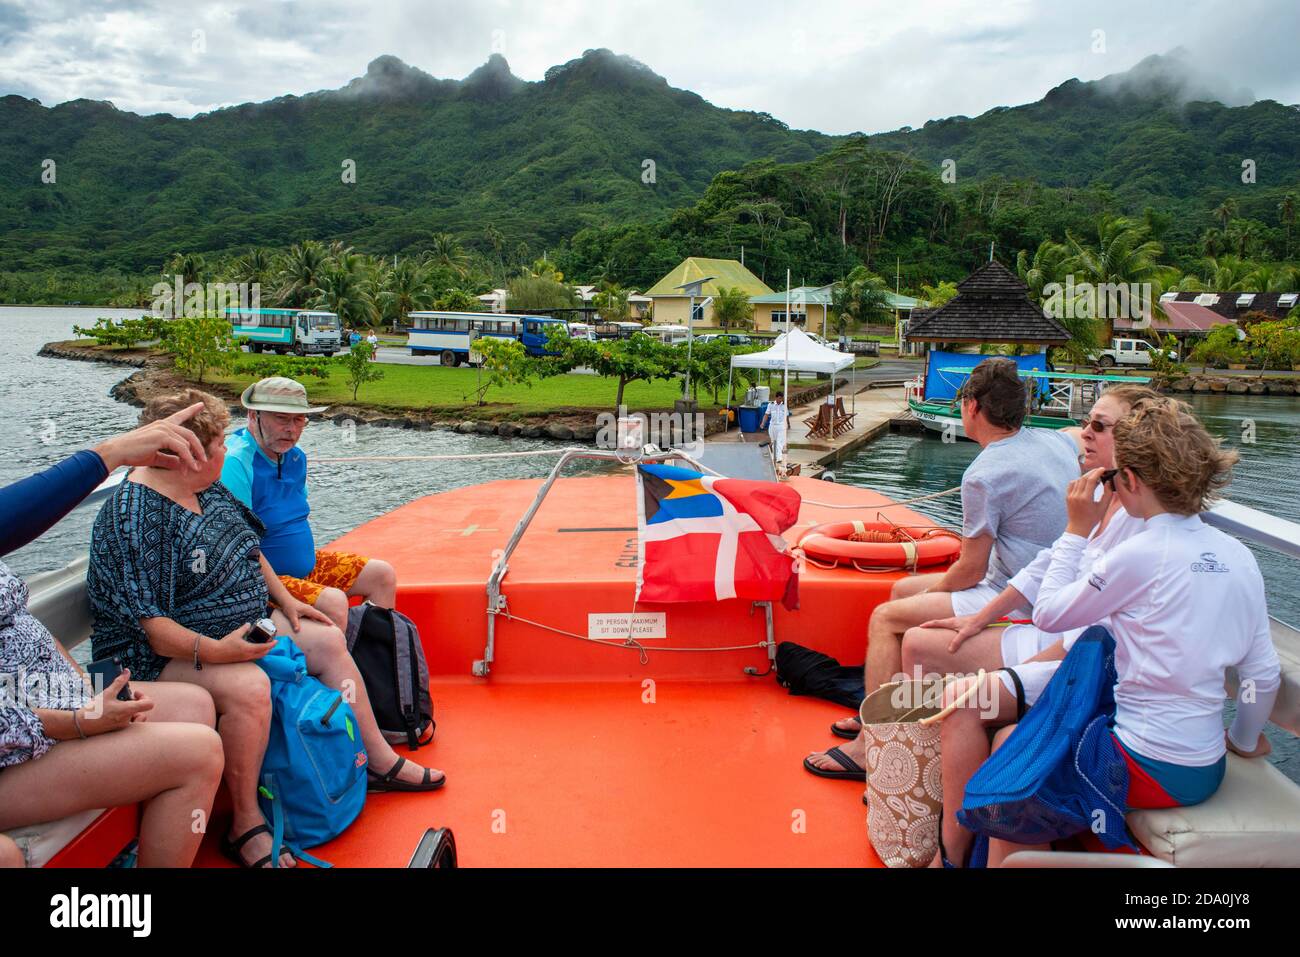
300, 331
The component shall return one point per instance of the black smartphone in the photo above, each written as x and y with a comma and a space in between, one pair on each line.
1108, 477
103, 673
263, 630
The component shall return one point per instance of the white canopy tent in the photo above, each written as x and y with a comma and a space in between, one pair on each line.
794, 350
803, 355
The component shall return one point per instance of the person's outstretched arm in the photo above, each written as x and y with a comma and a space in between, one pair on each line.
30, 506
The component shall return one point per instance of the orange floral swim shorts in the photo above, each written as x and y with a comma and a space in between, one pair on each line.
333, 570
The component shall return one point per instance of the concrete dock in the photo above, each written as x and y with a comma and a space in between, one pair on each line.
875, 410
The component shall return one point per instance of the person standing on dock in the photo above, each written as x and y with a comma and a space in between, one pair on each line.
267, 471
774, 421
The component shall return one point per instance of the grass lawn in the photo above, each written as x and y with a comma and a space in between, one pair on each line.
436, 388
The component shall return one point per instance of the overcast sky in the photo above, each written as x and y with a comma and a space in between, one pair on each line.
831, 65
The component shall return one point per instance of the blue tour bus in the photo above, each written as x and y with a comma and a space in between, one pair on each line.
450, 335
300, 331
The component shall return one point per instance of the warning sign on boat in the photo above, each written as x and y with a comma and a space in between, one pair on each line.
642, 625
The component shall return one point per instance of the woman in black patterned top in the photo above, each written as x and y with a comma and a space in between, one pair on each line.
151, 557
176, 579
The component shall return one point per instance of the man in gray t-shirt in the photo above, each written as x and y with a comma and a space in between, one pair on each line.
1013, 503
1013, 492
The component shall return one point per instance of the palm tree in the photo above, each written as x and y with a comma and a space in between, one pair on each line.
344, 292
1213, 242
612, 303
446, 252
1286, 215
1228, 274
1244, 236
935, 296
298, 281
1046, 267
1124, 255
497, 242
338, 250
253, 267
732, 309
1225, 211
862, 297
189, 266
1266, 277
545, 269
404, 289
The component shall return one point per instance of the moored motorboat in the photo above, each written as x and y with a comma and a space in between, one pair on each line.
1058, 398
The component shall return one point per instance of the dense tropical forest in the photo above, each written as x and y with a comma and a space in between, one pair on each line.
462, 186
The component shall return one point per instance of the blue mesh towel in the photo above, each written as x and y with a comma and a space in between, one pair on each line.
1058, 773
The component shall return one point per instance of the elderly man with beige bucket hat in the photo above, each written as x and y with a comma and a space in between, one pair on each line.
267, 471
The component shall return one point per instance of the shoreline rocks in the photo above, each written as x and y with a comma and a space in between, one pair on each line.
1199, 383
154, 376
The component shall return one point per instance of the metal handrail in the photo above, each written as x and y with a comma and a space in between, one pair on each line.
495, 600
1242, 521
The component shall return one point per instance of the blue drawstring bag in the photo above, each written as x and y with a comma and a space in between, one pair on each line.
1058, 773
313, 781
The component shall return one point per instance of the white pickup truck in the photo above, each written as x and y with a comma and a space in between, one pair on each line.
1128, 352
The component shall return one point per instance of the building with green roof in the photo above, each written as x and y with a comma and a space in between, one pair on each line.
769, 309
672, 304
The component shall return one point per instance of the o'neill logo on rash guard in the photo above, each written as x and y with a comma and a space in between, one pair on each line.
1209, 563
1097, 582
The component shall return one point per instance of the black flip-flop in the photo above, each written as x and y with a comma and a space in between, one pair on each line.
847, 735
389, 782
852, 770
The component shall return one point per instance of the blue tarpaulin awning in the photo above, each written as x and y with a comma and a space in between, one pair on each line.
943, 385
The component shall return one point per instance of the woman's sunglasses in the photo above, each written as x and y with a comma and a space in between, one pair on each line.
1097, 425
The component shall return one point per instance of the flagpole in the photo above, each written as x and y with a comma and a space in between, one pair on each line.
785, 385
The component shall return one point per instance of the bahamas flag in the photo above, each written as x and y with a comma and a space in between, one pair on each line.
704, 538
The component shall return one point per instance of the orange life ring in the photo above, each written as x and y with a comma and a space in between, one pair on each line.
879, 546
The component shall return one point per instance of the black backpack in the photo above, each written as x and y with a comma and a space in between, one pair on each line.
808, 672
385, 644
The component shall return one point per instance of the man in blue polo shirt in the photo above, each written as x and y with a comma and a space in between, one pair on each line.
267, 471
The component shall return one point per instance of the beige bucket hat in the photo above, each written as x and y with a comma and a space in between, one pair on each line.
278, 394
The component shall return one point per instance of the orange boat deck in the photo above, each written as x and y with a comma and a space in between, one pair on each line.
587, 775
574, 754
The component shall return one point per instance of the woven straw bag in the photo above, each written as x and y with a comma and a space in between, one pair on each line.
905, 768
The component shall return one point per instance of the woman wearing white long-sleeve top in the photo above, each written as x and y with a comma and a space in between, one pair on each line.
964, 644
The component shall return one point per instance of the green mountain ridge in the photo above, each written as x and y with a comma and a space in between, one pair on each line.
504, 163
534, 161
1156, 131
